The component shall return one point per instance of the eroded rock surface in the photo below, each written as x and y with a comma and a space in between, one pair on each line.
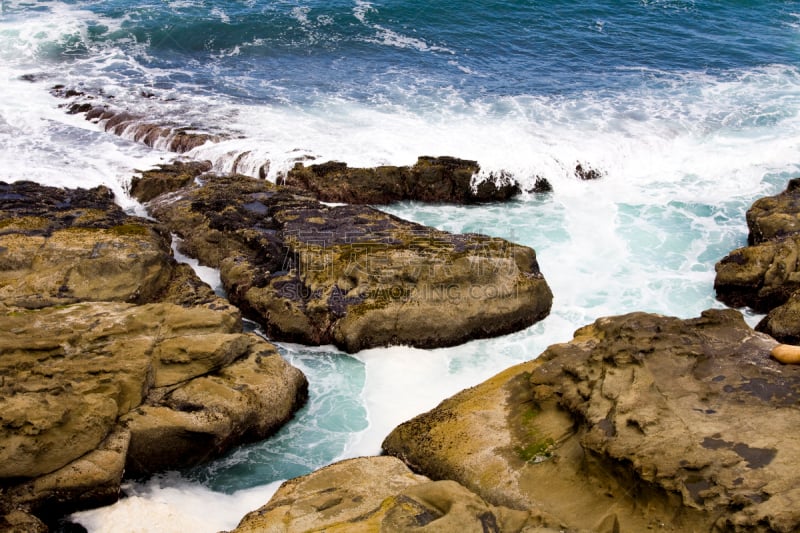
641, 421
351, 275
765, 275
431, 179
104, 337
380, 494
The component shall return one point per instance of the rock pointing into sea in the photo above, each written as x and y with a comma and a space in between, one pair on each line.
351, 275
640, 422
765, 275
114, 358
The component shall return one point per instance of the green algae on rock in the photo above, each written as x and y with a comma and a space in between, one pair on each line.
351, 275
654, 421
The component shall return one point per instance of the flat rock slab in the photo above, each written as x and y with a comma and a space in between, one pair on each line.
641, 421
351, 275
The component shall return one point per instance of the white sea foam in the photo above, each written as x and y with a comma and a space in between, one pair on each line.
170, 504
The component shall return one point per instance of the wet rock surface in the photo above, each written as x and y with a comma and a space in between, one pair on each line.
641, 421
166, 178
765, 275
351, 275
430, 179
104, 337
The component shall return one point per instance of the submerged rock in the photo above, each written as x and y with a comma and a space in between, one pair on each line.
641, 421
103, 337
351, 275
431, 179
97, 108
585, 172
380, 494
765, 275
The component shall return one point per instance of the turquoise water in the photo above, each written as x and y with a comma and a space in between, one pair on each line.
689, 109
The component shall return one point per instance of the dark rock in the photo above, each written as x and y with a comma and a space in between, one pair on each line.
351, 275
179, 139
166, 178
585, 172
541, 186
431, 179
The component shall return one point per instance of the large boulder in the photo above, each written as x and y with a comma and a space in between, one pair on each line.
380, 494
641, 421
351, 275
64, 246
431, 179
776, 216
765, 275
103, 336
166, 178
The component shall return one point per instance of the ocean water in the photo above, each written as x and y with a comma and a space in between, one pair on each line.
689, 109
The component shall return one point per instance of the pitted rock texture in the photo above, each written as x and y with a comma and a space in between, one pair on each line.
351, 275
640, 421
380, 494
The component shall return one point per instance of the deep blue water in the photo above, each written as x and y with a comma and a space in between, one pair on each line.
367, 50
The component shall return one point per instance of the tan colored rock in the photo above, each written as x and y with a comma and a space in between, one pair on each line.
765, 275
18, 521
91, 480
245, 401
61, 393
641, 421
97, 362
351, 275
68, 372
776, 216
787, 354
380, 494
186, 357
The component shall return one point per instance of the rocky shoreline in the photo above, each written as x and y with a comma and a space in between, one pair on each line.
117, 362
114, 357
